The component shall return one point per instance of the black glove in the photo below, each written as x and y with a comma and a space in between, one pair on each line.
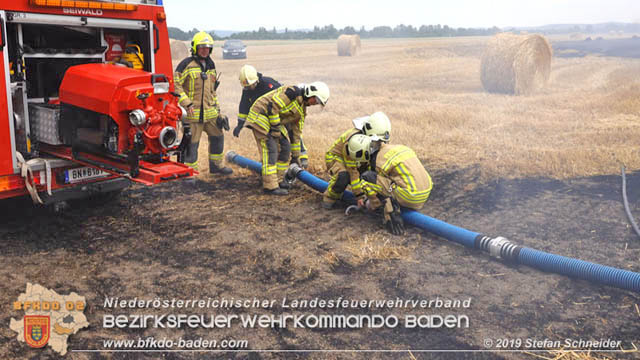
393, 218
295, 160
236, 131
304, 162
274, 132
222, 122
369, 176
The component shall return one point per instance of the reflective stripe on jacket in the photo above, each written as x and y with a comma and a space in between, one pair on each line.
338, 152
196, 91
400, 164
265, 84
282, 106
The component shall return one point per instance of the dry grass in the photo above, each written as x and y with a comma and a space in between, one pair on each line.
585, 122
376, 246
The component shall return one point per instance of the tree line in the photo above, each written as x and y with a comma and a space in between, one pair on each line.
330, 32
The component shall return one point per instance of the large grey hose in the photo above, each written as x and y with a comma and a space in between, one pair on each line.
626, 203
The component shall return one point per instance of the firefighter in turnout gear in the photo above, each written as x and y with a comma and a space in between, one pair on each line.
196, 83
398, 179
342, 162
268, 118
344, 171
254, 86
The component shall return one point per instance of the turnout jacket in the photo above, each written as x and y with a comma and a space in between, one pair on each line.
410, 182
338, 152
282, 106
197, 90
265, 84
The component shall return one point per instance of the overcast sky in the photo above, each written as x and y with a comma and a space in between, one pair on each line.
305, 14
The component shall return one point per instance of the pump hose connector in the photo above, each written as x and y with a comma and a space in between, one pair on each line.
498, 247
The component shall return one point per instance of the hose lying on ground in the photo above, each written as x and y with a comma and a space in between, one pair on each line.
626, 203
498, 247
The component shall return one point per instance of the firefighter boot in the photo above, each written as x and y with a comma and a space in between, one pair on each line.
276, 191
215, 169
284, 185
216, 147
281, 171
327, 202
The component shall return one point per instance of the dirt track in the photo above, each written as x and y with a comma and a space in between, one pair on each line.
222, 238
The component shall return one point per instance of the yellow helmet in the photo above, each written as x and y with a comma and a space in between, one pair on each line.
359, 148
377, 126
201, 39
248, 75
318, 89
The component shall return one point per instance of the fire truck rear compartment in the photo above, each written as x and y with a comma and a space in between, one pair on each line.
40, 55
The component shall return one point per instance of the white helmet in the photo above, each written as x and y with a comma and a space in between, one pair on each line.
377, 126
248, 75
359, 148
318, 89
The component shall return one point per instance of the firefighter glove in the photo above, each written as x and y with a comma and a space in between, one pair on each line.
236, 130
369, 176
295, 160
274, 132
222, 122
393, 218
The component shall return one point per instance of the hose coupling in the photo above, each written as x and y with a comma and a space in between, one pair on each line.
499, 247
231, 155
292, 173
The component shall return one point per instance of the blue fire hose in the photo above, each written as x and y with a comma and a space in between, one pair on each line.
498, 247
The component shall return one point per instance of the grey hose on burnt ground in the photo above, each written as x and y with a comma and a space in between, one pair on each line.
626, 203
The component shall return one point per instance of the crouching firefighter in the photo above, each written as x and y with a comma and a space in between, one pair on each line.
196, 83
342, 160
268, 118
397, 179
254, 85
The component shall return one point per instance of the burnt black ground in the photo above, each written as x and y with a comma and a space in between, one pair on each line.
628, 47
223, 238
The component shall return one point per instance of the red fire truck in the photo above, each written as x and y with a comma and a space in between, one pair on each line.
86, 98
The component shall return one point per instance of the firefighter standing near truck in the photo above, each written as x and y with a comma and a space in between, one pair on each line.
268, 117
343, 169
255, 85
397, 179
196, 83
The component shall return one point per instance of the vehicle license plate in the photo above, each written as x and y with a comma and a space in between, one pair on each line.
84, 173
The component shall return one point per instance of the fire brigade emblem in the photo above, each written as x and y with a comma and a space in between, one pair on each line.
36, 330
49, 319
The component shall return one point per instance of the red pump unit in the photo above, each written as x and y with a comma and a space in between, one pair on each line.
146, 114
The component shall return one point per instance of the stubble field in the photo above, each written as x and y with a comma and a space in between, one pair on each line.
541, 170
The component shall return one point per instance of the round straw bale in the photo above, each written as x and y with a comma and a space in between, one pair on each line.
515, 64
348, 45
179, 50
